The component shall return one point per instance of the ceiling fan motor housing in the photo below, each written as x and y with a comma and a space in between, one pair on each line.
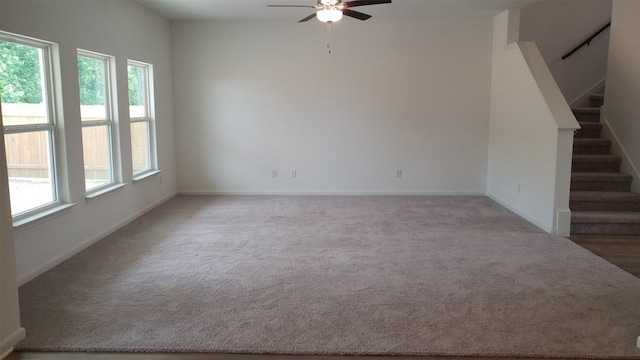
333, 10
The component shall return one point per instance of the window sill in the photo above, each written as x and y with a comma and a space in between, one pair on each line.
41, 216
146, 176
102, 192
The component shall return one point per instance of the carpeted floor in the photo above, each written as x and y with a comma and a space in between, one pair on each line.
335, 275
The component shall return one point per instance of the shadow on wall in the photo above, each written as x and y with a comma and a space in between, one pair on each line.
559, 26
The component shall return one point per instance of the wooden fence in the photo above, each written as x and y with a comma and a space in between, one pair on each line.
27, 153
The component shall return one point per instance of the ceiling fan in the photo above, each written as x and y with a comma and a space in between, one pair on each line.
332, 10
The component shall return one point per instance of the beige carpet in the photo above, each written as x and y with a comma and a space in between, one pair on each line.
335, 275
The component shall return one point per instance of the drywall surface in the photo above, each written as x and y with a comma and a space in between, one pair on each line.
253, 97
10, 331
530, 133
127, 31
621, 110
559, 26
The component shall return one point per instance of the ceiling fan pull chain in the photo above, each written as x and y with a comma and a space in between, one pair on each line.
329, 36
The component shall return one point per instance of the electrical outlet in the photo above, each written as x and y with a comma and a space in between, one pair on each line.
293, 174
518, 188
398, 174
274, 173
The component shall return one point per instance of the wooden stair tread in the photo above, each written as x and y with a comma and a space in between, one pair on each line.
587, 110
600, 176
591, 141
604, 196
606, 217
596, 158
585, 125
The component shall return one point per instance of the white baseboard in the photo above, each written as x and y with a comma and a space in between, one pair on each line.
23, 279
6, 346
583, 98
322, 193
618, 149
522, 215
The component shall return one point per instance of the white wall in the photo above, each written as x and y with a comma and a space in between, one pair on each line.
557, 27
127, 31
622, 110
255, 96
531, 132
10, 331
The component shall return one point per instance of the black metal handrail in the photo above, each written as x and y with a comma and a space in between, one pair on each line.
588, 41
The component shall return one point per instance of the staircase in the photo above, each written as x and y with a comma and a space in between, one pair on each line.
601, 201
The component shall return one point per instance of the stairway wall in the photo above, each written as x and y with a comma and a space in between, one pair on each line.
621, 110
531, 132
557, 27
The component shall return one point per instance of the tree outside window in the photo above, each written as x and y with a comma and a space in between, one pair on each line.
28, 124
142, 140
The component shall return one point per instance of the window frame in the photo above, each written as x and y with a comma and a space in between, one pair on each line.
49, 98
109, 122
149, 119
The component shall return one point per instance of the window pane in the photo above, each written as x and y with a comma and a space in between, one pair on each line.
97, 159
137, 91
29, 168
21, 85
140, 146
91, 78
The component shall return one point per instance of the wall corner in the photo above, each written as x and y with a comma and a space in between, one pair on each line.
506, 28
513, 26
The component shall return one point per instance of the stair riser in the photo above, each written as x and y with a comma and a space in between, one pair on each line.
587, 117
578, 185
597, 102
595, 167
604, 205
605, 229
587, 134
591, 149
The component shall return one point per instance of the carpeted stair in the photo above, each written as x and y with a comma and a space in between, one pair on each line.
601, 201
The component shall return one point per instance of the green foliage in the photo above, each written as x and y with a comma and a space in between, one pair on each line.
20, 80
91, 80
136, 78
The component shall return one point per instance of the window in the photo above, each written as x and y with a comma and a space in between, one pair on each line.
28, 118
142, 127
97, 122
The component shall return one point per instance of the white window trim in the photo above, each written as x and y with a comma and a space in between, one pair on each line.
49, 96
97, 194
149, 119
145, 175
45, 214
109, 122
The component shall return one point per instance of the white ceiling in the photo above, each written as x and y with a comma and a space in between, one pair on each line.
257, 9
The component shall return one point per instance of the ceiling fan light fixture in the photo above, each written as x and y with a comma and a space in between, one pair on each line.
329, 15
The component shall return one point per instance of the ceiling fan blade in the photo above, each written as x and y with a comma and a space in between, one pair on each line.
350, 4
308, 18
290, 6
355, 14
